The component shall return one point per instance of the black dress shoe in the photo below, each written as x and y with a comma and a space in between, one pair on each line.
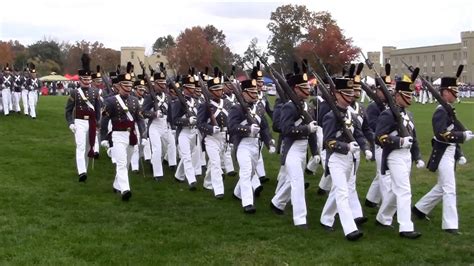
173, 168
192, 186
263, 179
410, 234
308, 172
354, 235
322, 192
135, 171
83, 177
250, 209
327, 228
126, 195
115, 190
165, 162
158, 178
306, 185
235, 197
258, 190
452, 231
178, 180
419, 214
232, 173
96, 155
388, 226
361, 220
275, 209
302, 226
370, 204
219, 196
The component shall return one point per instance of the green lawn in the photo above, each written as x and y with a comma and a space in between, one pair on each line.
47, 217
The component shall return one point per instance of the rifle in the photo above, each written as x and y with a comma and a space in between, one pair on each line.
245, 107
372, 95
331, 102
450, 109
150, 88
207, 98
182, 100
286, 90
402, 130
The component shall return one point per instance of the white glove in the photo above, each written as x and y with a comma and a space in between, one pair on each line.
159, 113
462, 160
368, 155
254, 129
313, 126
468, 135
72, 127
420, 164
272, 149
316, 159
144, 142
406, 142
272, 142
216, 130
104, 144
354, 147
192, 120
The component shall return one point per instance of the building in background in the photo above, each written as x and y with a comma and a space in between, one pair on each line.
434, 61
132, 54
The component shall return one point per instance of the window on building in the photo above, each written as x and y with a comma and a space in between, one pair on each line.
424, 69
464, 44
418, 59
409, 59
442, 57
455, 56
424, 58
433, 69
464, 55
433, 58
441, 68
132, 55
387, 60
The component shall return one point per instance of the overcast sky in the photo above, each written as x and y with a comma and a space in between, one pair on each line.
371, 24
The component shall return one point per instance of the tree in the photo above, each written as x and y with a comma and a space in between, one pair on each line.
250, 59
290, 26
329, 44
6, 53
105, 57
162, 44
46, 50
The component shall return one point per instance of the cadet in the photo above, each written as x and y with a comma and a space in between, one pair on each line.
212, 122
33, 86
7, 85
123, 110
446, 151
340, 157
296, 136
246, 136
82, 114
397, 155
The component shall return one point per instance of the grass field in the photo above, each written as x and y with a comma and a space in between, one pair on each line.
47, 217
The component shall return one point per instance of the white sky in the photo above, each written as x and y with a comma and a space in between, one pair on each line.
371, 24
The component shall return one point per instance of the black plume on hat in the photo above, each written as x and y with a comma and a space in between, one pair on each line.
296, 68
86, 68
415, 73
460, 68
387, 69
216, 72
352, 70
162, 67
98, 68
360, 66
304, 65
129, 67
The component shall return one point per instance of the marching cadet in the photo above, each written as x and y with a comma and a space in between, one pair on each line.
24, 91
246, 136
397, 155
7, 85
33, 85
296, 137
199, 155
184, 118
212, 122
381, 183
446, 151
98, 84
18, 83
82, 114
340, 160
157, 111
124, 111
264, 107
228, 88
139, 150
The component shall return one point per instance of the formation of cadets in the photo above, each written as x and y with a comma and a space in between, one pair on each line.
19, 90
197, 120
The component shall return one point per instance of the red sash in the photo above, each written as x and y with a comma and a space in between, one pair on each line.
90, 117
126, 126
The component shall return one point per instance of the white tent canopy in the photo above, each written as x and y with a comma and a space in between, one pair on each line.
437, 81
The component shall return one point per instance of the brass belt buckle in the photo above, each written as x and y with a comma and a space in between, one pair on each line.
129, 129
86, 117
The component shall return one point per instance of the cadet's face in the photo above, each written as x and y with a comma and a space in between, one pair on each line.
250, 97
217, 93
302, 91
125, 87
159, 86
260, 85
188, 91
344, 100
228, 88
357, 93
450, 96
403, 100
85, 81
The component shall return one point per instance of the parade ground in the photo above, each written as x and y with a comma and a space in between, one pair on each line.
47, 217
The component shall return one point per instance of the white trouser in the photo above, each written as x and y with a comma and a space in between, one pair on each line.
122, 153
197, 155
325, 182
227, 162
32, 100
135, 160
186, 145
340, 167
294, 182
319, 138
158, 136
170, 147
363, 96
6, 99
215, 150
281, 178
247, 157
260, 168
354, 202
16, 101
24, 100
374, 194
82, 144
444, 190
398, 198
